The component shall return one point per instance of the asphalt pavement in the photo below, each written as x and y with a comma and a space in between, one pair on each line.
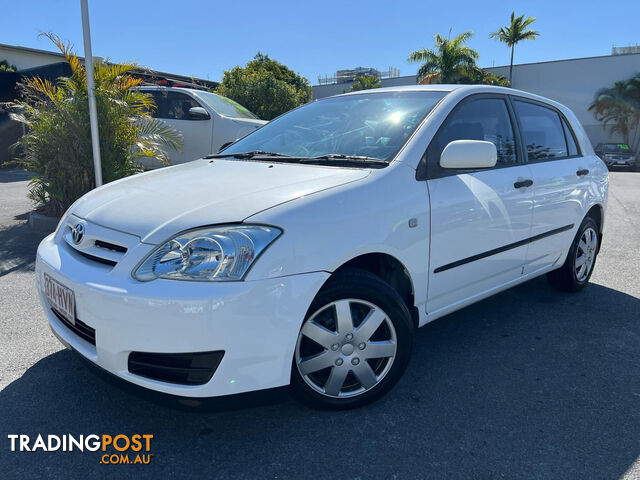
530, 383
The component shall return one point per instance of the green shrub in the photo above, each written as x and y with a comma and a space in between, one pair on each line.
265, 86
6, 67
57, 147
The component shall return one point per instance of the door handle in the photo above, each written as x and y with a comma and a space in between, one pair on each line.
582, 172
523, 183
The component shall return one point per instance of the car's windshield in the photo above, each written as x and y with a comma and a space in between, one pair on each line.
616, 148
224, 106
369, 125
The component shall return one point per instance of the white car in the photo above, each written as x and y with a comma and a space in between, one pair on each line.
308, 253
207, 121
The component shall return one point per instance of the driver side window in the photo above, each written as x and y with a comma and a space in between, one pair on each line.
478, 119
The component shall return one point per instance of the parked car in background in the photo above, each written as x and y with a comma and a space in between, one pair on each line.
206, 120
308, 252
616, 155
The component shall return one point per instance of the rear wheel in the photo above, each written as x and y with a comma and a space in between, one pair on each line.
578, 267
354, 344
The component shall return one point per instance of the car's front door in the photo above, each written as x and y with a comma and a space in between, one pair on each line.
480, 219
197, 133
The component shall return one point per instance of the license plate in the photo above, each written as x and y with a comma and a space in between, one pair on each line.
60, 298
621, 163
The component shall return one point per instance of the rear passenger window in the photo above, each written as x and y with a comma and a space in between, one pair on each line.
159, 101
482, 119
543, 133
571, 140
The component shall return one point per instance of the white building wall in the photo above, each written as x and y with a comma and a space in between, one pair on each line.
571, 82
24, 58
574, 83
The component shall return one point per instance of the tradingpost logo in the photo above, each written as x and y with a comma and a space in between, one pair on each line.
112, 449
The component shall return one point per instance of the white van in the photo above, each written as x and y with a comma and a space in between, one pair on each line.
206, 120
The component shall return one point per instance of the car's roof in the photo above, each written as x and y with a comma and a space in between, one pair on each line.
443, 88
463, 90
412, 88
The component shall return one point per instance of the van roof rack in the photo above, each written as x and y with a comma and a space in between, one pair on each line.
152, 78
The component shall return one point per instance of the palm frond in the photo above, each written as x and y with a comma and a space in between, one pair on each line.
158, 132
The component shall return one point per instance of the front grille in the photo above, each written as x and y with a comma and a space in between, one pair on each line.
97, 243
81, 329
110, 246
104, 261
182, 368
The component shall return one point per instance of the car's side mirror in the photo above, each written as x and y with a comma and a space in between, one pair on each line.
198, 113
467, 154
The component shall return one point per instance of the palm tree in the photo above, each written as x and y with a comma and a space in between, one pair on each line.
514, 33
450, 60
618, 108
366, 82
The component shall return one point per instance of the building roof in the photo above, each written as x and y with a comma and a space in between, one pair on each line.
144, 70
594, 57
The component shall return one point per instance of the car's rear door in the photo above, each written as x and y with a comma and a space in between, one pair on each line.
560, 179
480, 219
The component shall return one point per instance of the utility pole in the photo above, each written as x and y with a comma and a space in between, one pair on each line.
93, 112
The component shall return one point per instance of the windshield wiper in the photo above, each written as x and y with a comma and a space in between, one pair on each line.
341, 158
333, 158
249, 155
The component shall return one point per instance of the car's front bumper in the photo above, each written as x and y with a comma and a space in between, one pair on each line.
255, 323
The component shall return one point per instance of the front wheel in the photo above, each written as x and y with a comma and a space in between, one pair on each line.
354, 344
578, 267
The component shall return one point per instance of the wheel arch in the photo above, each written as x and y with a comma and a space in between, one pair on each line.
389, 269
597, 213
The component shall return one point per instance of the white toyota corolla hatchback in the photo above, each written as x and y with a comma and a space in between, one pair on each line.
307, 253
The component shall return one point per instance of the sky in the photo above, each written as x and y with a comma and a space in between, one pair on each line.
204, 38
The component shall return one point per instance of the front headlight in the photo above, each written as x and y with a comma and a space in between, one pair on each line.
222, 253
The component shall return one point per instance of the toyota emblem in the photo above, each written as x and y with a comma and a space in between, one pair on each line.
77, 233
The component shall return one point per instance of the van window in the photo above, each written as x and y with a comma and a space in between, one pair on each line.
481, 119
172, 105
158, 100
544, 136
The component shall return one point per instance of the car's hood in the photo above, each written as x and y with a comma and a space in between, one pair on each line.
158, 204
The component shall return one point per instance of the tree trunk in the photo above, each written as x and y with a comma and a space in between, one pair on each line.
511, 68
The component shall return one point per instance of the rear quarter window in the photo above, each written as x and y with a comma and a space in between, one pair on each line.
572, 145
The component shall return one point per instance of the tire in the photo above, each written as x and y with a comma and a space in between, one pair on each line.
570, 277
346, 372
